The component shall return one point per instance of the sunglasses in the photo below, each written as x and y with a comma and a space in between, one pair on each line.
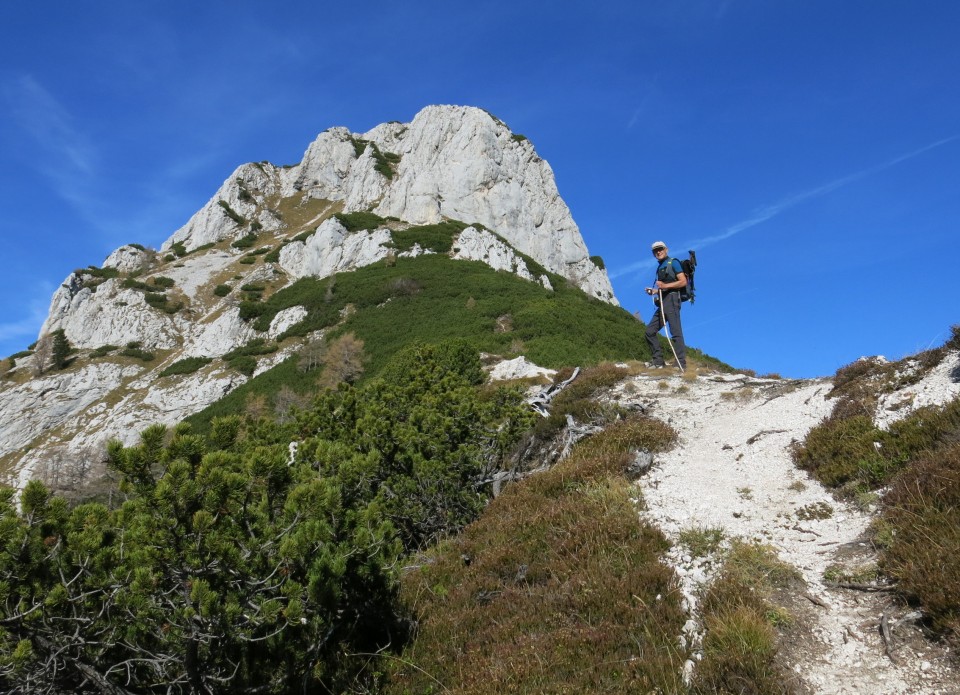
659, 249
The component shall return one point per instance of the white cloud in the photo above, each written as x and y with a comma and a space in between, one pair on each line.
50, 125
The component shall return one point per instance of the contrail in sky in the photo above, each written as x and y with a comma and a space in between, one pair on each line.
765, 213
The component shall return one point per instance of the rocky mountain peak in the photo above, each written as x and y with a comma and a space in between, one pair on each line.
341, 208
450, 162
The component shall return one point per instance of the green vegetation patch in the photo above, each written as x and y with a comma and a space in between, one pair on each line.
436, 237
855, 455
558, 587
231, 213
135, 351
104, 350
245, 242
188, 365
243, 359
357, 221
384, 162
162, 282
455, 299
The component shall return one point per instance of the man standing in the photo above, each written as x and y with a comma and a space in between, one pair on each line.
670, 280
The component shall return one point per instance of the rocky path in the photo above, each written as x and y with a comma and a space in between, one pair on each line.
733, 471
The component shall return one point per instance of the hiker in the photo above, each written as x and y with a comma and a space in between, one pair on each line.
670, 280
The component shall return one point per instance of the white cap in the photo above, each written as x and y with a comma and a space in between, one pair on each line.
657, 243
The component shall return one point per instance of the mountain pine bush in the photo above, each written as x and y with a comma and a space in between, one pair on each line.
228, 563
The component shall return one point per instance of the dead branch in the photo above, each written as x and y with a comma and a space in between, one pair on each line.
760, 434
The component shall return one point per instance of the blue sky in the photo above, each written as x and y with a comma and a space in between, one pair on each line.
809, 150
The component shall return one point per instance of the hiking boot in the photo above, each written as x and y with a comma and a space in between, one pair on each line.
656, 365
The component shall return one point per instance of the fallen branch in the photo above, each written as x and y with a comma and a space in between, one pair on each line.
760, 434
816, 600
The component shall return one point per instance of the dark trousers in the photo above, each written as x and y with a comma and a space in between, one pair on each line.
671, 308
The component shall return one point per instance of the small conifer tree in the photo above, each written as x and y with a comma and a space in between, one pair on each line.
61, 349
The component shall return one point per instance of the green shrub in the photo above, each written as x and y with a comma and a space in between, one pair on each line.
436, 237
251, 310
222, 290
257, 346
356, 221
103, 350
838, 451
853, 453
102, 273
188, 365
138, 353
273, 256
179, 249
216, 544
163, 282
134, 284
384, 162
598, 261
231, 213
245, 242
243, 358
245, 364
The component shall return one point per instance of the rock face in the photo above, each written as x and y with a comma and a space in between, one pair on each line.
453, 162
143, 310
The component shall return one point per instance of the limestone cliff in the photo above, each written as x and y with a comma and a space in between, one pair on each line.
144, 310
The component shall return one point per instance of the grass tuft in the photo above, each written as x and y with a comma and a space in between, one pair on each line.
740, 619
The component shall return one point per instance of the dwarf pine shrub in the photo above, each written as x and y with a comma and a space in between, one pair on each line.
188, 365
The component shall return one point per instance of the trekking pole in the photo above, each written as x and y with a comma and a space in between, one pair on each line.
666, 328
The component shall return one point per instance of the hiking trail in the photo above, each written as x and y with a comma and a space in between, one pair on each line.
732, 470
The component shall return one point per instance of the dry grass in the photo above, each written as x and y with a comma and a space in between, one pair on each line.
558, 588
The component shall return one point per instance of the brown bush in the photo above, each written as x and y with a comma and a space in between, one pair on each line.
923, 508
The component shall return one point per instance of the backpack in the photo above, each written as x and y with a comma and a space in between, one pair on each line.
689, 265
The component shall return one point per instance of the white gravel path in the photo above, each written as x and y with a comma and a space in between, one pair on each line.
732, 470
